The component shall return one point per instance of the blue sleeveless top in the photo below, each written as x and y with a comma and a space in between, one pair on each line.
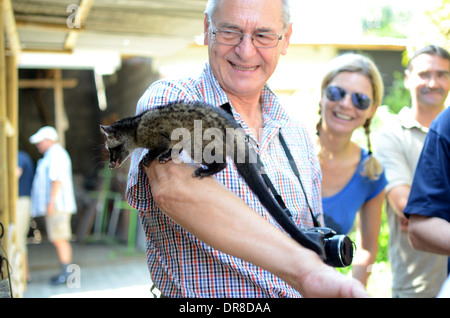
340, 209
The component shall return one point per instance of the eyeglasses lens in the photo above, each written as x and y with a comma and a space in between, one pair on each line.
335, 94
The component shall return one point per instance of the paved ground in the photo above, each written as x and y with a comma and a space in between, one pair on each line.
99, 270
110, 271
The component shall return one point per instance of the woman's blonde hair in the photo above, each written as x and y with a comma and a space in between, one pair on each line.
357, 63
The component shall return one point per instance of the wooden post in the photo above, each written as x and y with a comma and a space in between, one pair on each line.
13, 142
81, 15
61, 121
18, 258
4, 189
8, 147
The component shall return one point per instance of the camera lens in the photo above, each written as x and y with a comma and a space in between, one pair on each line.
339, 251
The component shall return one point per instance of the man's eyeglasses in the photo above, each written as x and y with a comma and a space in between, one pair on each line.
336, 93
261, 40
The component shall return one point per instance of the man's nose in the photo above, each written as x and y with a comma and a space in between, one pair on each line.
246, 47
432, 81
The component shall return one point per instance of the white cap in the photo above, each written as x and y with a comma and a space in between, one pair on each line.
46, 132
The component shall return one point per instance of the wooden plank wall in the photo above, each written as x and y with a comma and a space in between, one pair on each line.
8, 150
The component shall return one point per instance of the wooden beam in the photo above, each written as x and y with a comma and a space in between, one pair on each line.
4, 187
61, 121
13, 143
11, 29
354, 46
52, 51
47, 83
21, 23
57, 84
81, 16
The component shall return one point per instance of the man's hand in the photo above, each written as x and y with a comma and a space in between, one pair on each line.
324, 282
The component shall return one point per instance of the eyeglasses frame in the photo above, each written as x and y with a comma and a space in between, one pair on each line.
279, 37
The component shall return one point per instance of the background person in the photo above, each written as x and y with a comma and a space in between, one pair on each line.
429, 201
53, 195
25, 173
353, 180
398, 147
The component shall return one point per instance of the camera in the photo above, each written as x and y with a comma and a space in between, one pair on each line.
337, 249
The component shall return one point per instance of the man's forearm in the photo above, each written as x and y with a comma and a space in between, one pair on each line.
429, 234
216, 216
55, 188
222, 220
398, 198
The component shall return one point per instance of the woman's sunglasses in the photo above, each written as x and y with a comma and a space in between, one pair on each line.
336, 93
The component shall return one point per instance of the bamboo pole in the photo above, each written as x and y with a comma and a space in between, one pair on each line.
4, 189
13, 142
62, 123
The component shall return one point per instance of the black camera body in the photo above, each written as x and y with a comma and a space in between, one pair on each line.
337, 249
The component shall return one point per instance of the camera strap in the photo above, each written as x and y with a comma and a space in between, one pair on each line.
294, 168
297, 174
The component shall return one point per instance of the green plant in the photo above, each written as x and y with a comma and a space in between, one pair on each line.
383, 239
398, 95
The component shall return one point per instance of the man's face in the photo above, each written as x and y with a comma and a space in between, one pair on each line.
244, 69
429, 80
44, 145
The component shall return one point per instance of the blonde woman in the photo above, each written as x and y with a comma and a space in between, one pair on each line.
353, 180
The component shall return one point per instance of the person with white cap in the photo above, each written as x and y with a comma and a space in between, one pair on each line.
53, 195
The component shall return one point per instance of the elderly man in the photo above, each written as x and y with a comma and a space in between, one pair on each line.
53, 196
211, 237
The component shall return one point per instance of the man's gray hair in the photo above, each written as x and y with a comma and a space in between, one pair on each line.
286, 11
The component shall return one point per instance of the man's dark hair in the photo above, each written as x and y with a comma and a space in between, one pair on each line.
430, 50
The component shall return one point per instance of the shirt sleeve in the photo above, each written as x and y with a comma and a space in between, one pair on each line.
387, 148
377, 186
430, 191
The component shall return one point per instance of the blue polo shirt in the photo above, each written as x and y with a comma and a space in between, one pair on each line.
340, 209
26, 179
430, 190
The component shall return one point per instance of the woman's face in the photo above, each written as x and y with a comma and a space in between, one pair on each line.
341, 116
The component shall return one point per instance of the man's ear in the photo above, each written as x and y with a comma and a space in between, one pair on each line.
206, 29
406, 80
287, 39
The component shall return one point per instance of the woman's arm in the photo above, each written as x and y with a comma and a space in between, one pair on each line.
368, 232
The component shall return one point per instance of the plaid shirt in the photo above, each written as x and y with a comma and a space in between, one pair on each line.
180, 264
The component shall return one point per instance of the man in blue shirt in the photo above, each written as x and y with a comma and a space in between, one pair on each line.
428, 205
429, 201
25, 173
398, 147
